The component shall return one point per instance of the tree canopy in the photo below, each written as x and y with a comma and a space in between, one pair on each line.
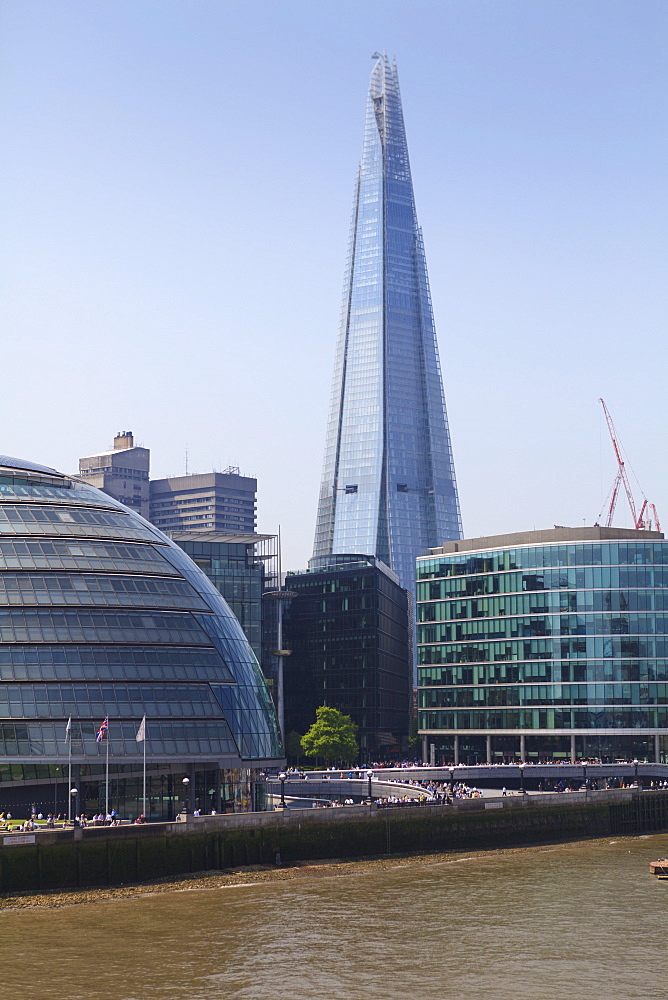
332, 736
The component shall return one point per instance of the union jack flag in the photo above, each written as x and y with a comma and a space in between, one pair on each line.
102, 731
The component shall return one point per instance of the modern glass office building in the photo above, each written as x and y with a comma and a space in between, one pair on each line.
545, 645
101, 615
244, 569
347, 626
388, 484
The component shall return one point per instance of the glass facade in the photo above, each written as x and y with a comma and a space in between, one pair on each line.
388, 484
232, 566
347, 627
551, 649
243, 568
103, 615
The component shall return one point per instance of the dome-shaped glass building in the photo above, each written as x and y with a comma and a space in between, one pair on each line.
102, 616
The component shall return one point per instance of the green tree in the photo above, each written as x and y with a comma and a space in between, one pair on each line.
332, 737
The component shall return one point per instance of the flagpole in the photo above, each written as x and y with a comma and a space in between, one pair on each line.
69, 771
106, 811
144, 742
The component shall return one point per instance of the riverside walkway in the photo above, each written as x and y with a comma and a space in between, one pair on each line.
511, 776
412, 782
503, 774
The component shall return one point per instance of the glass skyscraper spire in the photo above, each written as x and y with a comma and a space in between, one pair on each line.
388, 485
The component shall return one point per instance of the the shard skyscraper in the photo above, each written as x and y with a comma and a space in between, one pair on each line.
388, 485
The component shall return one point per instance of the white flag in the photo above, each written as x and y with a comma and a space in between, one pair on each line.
68, 729
141, 732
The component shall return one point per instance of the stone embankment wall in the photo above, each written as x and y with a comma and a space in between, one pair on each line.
61, 860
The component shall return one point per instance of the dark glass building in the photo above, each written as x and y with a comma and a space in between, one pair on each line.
545, 645
236, 570
102, 615
242, 568
348, 629
388, 483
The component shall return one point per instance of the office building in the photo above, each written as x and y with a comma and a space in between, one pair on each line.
101, 615
348, 630
242, 568
214, 501
122, 472
388, 484
544, 645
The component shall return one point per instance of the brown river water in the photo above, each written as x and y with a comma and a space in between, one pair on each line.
572, 922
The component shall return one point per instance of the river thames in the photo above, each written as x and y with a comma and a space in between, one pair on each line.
578, 921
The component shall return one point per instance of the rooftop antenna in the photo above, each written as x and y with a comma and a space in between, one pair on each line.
186, 459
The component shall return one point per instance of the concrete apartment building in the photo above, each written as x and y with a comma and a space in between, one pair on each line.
121, 472
213, 501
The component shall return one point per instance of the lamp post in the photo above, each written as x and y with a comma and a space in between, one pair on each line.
369, 775
73, 799
452, 781
522, 779
282, 778
635, 765
186, 785
584, 773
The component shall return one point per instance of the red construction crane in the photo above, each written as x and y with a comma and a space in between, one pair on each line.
640, 521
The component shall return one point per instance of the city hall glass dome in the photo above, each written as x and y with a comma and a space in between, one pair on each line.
101, 615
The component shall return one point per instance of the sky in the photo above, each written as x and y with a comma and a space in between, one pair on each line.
176, 189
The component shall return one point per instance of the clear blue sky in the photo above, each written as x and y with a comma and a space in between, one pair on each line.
176, 187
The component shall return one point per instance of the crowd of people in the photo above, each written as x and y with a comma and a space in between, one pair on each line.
379, 765
38, 821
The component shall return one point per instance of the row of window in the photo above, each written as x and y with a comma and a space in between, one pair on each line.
545, 694
14, 486
37, 514
125, 663
544, 602
164, 738
97, 700
568, 671
131, 530
537, 557
593, 648
26, 589
545, 718
82, 555
551, 625
588, 578
78, 625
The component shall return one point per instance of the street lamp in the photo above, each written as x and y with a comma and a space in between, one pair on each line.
282, 778
635, 764
73, 799
584, 773
522, 779
186, 785
369, 775
452, 781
